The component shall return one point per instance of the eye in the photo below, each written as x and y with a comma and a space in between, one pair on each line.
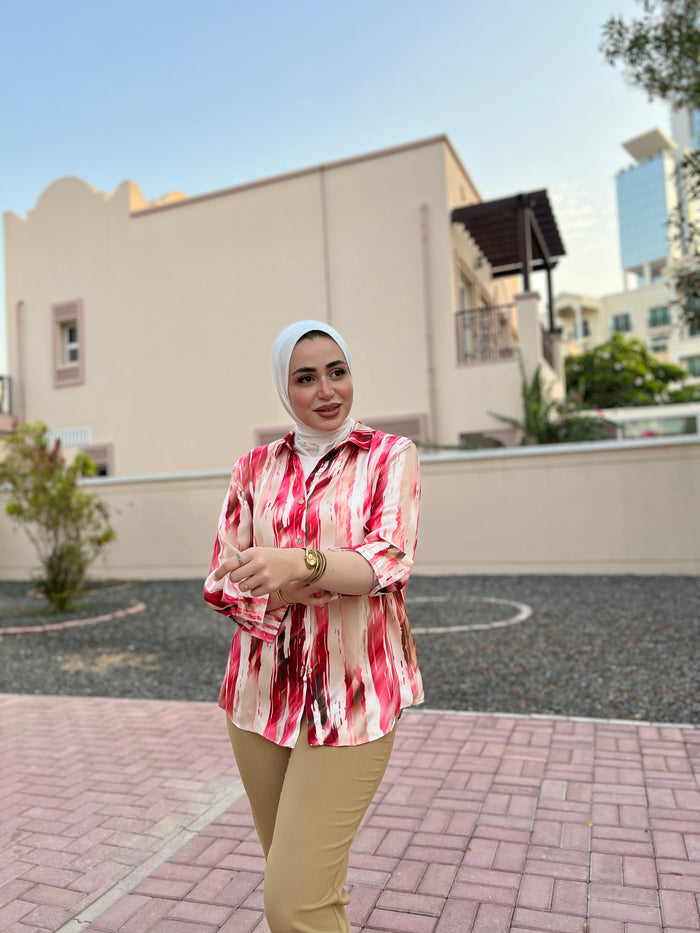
304, 380
339, 372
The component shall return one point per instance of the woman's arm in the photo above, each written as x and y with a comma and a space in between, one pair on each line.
262, 570
234, 534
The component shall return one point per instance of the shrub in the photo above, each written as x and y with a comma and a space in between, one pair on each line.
67, 526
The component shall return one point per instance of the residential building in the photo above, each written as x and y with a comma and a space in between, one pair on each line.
142, 331
643, 313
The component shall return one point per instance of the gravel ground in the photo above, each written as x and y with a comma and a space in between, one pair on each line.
605, 647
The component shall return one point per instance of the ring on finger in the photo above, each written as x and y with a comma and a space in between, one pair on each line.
239, 559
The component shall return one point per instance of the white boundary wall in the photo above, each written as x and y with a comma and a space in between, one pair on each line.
609, 508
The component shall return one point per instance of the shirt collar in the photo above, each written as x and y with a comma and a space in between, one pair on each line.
360, 436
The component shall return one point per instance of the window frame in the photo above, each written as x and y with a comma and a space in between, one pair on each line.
689, 363
627, 315
667, 314
63, 315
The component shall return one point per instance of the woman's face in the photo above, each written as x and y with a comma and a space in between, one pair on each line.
320, 384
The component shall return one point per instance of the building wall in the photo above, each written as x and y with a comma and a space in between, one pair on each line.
638, 303
180, 310
182, 302
607, 508
182, 298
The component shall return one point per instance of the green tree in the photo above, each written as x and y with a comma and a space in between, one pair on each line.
67, 526
660, 53
623, 373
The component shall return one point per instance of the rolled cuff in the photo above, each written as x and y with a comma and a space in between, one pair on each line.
391, 566
250, 612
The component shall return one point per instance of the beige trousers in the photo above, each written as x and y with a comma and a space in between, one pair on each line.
307, 805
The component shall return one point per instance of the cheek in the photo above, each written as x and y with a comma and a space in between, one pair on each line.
297, 396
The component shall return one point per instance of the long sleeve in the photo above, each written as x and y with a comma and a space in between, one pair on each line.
392, 529
235, 533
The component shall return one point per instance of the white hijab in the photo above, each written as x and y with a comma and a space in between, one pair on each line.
309, 443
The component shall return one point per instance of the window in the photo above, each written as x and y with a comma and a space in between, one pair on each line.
70, 348
622, 323
103, 457
659, 317
465, 294
5, 406
693, 365
68, 344
585, 327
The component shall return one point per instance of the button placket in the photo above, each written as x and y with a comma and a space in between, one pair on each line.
300, 499
302, 519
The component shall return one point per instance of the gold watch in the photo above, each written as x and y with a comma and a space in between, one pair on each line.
315, 561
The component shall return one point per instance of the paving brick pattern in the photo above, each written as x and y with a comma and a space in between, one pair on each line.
126, 816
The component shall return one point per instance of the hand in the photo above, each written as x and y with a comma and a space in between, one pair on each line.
307, 594
262, 570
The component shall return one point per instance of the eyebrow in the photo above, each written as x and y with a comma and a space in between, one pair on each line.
312, 369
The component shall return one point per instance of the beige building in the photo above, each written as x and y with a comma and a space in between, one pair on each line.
142, 331
646, 313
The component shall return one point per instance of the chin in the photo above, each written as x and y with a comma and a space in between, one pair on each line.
328, 424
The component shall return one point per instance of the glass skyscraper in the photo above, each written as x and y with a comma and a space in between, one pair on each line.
646, 198
642, 208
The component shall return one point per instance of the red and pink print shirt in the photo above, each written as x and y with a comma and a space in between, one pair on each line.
349, 666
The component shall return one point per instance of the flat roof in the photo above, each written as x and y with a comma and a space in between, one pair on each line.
649, 145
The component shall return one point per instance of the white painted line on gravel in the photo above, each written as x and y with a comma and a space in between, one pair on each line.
426, 599
523, 613
74, 623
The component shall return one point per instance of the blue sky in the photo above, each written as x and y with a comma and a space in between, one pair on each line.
199, 96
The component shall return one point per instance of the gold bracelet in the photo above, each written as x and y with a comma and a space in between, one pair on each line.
316, 562
278, 594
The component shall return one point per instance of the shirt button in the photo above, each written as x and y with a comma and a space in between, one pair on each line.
301, 501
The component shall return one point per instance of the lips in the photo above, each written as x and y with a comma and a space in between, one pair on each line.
327, 411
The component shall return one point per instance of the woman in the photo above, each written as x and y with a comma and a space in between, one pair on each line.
315, 544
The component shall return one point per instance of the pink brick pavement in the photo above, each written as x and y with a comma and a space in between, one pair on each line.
127, 815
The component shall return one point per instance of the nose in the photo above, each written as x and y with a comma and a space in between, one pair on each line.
325, 389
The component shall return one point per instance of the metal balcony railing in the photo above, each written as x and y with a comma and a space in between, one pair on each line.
485, 334
5, 395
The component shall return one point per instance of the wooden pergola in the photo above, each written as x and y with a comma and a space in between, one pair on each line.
517, 236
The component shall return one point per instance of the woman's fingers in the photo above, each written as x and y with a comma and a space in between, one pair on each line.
252, 571
229, 566
257, 570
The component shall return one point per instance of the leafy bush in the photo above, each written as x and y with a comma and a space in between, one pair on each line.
67, 526
623, 373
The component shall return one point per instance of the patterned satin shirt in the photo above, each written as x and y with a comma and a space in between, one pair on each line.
349, 666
